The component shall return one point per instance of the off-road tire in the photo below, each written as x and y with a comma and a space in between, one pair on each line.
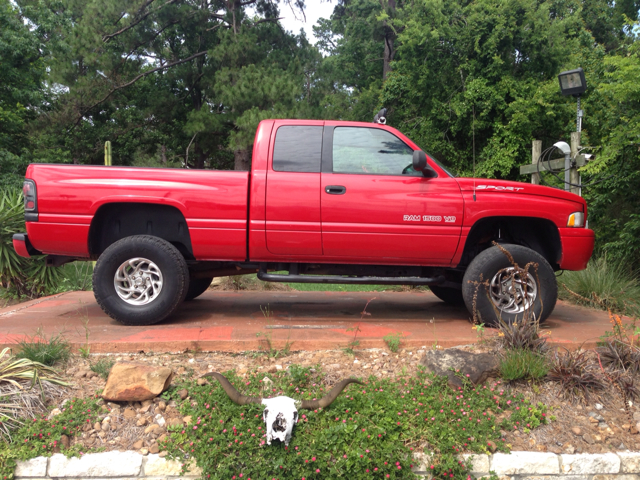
452, 296
168, 259
197, 286
487, 264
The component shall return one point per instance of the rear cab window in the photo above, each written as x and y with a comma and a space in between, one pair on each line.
298, 148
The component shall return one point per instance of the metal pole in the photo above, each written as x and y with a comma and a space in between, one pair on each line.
574, 176
579, 117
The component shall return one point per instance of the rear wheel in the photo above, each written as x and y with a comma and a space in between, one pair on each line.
197, 286
499, 290
452, 296
140, 280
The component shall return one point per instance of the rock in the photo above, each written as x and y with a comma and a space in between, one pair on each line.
629, 462
577, 431
147, 403
272, 369
129, 413
570, 449
97, 426
598, 406
91, 374
183, 393
142, 421
138, 445
154, 429
187, 420
492, 446
103, 465
80, 374
596, 416
278, 367
54, 413
36, 467
636, 416
160, 420
476, 366
175, 422
587, 438
144, 451
585, 463
136, 382
202, 381
161, 406
523, 463
154, 448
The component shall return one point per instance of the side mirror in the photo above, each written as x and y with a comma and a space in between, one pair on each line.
420, 164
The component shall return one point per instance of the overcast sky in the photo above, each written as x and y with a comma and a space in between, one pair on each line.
315, 10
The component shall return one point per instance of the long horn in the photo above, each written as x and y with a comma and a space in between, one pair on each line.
329, 398
234, 394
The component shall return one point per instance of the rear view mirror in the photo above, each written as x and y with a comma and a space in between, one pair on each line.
420, 164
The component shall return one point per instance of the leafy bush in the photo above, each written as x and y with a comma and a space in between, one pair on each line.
604, 285
368, 432
393, 341
45, 351
103, 367
520, 364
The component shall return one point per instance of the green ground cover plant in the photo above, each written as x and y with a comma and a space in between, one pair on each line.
521, 364
370, 431
41, 436
48, 351
393, 341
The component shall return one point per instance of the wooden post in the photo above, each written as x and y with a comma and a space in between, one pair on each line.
107, 153
536, 151
574, 176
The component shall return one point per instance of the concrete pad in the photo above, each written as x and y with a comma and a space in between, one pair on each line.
230, 321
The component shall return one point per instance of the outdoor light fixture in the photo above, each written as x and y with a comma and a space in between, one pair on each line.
573, 82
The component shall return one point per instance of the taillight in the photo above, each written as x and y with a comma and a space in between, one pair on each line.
30, 197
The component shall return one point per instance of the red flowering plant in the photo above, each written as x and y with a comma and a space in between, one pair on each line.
370, 431
40, 436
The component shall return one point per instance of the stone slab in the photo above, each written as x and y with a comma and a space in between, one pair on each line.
525, 463
590, 463
94, 465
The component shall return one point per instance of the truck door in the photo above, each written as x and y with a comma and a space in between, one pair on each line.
376, 207
293, 191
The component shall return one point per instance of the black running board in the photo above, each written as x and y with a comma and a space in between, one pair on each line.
274, 277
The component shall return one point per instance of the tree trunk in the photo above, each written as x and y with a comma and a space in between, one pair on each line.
389, 37
242, 159
163, 155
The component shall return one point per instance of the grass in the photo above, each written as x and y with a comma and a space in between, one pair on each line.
523, 364
47, 351
370, 431
393, 341
604, 285
103, 367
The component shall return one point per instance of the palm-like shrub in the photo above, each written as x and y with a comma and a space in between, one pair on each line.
21, 277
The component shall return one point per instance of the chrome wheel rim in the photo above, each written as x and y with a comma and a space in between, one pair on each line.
138, 281
510, 292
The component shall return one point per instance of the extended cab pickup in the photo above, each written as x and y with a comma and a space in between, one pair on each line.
325, 201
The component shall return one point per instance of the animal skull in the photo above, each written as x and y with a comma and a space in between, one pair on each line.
281, 413
280, 416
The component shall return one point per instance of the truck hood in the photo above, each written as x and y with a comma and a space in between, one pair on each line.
484, 186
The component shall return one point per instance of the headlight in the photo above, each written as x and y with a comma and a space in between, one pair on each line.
576, 220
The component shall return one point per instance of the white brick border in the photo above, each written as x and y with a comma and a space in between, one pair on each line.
513, 466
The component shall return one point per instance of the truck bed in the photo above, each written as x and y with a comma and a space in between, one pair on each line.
213, 203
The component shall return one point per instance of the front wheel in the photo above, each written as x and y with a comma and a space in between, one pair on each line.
495, 289
140, 280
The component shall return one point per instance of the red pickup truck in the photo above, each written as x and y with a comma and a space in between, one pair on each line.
325, 201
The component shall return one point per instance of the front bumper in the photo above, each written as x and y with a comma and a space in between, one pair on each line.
577, 247
23, 247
